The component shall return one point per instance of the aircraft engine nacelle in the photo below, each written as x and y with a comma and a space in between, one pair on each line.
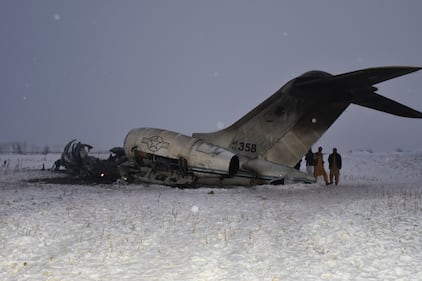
200, 156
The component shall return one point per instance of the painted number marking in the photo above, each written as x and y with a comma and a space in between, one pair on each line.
247, 147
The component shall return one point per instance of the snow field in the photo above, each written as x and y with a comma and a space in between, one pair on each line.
367, 228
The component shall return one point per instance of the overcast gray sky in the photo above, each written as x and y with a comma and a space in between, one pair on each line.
93, 70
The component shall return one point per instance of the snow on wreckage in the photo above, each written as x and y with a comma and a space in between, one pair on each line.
260, 148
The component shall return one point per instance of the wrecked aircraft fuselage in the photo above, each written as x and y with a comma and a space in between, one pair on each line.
262, 147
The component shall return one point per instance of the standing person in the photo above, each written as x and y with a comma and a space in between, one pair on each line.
309, 158
319, 166
334, 164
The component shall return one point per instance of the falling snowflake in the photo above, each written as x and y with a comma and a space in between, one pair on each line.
57, 17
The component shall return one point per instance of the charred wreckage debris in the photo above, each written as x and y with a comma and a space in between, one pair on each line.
80, 167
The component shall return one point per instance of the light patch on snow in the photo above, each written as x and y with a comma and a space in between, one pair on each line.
367, 228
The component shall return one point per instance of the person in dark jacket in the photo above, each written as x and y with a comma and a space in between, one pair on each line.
334, 164
309, 159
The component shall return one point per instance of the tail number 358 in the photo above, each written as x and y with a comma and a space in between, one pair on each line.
247, 147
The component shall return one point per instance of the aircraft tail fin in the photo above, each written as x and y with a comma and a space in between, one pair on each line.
283, 127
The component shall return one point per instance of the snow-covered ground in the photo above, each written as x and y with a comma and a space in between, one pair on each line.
367, 228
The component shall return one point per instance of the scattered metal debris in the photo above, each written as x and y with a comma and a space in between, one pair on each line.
77, 162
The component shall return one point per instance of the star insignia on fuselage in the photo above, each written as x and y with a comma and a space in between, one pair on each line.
155, 143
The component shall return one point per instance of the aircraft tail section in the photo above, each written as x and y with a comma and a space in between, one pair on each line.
282, 128
360, 90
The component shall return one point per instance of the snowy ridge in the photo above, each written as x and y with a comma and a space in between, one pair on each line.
369, 227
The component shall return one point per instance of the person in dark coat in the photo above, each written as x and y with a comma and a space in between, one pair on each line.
309, 159
334, 164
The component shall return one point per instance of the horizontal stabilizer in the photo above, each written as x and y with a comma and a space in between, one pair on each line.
359, 78
357, 87
381, 103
